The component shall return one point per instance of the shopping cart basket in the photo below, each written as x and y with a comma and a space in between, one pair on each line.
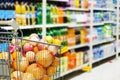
24, 59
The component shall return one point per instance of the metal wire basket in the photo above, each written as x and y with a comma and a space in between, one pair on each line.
24, 59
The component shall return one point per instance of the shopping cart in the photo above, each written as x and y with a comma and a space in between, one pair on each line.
24, 59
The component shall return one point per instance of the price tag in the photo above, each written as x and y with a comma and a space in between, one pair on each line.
64, 49
86, 68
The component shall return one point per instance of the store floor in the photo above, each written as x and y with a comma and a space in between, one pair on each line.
105, 71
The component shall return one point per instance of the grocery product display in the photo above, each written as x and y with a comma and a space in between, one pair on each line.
104, 50
58, 36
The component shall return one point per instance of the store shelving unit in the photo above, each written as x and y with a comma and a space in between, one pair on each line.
76, 9
105, 57
78, 46
56, 25
117, 29
103, 41
104, 9
78, 25
24, 27
103, 22
72, 70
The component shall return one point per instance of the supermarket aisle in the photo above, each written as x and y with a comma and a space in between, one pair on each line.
107, 71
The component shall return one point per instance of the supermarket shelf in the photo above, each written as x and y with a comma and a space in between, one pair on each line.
110, 22
56, 25
23, 27
115, 34
59, 0
98, 23
103, 41
72, 70
78, 46
76, 9
94, 61
116, 6
78, 25
104, 9
103, 22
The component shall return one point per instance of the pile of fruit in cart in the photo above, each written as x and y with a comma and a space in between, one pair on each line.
32, 60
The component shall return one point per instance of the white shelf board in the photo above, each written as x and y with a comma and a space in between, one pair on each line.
103, 41
116, 6
94, 61
115, 34
56, 25
72, 70
78, 25
103, 22
98, 23
110, 22
59, 0
104, 9
76, 9
23, 27
78, 46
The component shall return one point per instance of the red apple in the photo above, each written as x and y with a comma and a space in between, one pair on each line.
27, 47
42, 46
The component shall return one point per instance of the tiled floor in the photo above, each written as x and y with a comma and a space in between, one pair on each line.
106, 71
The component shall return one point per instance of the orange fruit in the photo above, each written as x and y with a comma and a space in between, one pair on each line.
35, 49
16, 55
51, 70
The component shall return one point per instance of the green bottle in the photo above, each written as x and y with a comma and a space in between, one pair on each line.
68, 16
48, 15
39, 13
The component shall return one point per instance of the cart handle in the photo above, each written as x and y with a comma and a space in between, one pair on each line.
12, 23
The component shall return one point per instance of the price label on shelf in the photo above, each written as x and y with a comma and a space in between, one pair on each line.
86, 68
64, 49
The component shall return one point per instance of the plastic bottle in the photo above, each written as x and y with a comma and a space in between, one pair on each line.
84, 3
28, 14
33, 14
48, 16
55, 11
77, 3
72, 60
68, 16
30, 5
71, 37
83, 36
39, 13
64, 34
17, 8
18, 13
60, 15
77, 36
23, 13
